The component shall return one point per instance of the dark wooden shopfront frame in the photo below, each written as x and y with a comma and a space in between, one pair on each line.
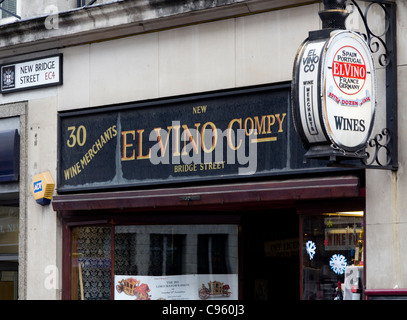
192, 204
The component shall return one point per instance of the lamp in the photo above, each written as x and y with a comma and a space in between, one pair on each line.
334, 14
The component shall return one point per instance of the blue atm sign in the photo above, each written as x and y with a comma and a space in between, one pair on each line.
38, 186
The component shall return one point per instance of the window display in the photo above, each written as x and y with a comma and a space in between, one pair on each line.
9, 234
146, 262
332, 244
91, 263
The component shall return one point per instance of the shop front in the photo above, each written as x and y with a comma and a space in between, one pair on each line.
201, 197
9, 207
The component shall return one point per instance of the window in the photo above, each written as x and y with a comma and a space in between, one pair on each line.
82, 3
8, 6
9, 217
154, 262
332, 245
91, 262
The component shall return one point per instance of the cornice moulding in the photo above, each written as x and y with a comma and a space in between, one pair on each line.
122, 18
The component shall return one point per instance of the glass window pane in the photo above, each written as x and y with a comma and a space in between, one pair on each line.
175, 249
91, 263
330, 244
176, 261
11, 6
9, 233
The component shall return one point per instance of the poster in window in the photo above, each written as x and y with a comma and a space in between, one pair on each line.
179, 287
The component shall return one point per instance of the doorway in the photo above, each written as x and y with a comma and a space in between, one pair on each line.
9, 227
8, 280
271, 255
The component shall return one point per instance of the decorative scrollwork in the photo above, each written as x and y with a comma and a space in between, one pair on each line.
381, 154
381, 150
375, 41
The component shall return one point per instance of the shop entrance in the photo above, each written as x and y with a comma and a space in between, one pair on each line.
271, 255
8, 280
267, 237
8, 252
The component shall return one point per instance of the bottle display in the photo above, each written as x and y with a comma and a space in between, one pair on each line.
359, 250
339, 294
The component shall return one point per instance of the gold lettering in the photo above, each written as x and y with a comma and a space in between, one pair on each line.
280, 122
271, 122
199, 109
67, 175
245, 126
260, 126
191, 138
126, 145
185, 167
176, 140
229, 134
212, 166
98, 144
93, 150
107, 135
84, 161
103, 141
140, 146
114, 131
163, 148
214, 137
78, 169
73, 171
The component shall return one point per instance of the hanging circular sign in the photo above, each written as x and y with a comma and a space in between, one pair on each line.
334, 92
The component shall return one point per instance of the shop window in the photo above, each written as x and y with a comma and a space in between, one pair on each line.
91, 262
155, 262
9, 234
82, 3
332, 256
166, 254
212, 257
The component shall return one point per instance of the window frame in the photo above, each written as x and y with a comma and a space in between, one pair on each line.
136, 219
11, 19
321, 208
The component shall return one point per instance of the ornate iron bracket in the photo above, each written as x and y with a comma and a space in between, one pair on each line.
8, 12
381, 150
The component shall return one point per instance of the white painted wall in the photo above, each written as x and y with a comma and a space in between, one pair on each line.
386, 201
43, 234
230, 53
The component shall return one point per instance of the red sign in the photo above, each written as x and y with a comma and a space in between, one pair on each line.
349, 70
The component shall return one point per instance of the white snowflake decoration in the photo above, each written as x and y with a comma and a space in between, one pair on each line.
310, 247
338, 263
